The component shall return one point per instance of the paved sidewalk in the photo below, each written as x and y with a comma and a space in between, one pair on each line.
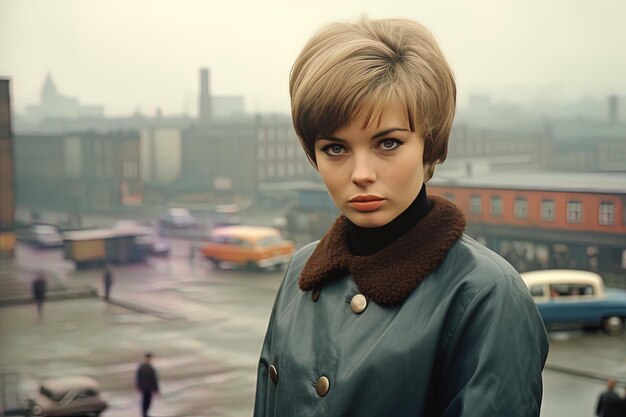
16, 279
595, 356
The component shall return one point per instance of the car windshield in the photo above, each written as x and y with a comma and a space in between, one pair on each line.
46, 230
55, 396
567, 290
269, 241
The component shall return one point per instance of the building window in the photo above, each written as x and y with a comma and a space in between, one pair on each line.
449, 197
607, 213
475, 204
496, 206
521, 208
574, 212
547, 210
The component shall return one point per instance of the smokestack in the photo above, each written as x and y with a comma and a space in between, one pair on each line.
204, 112
613, 109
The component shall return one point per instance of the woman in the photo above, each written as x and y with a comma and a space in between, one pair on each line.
395, 312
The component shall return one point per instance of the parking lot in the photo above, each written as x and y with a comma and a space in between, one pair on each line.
205, 328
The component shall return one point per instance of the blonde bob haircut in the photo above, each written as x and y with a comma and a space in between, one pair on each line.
353, 69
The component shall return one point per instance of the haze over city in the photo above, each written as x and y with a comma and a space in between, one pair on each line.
142, 55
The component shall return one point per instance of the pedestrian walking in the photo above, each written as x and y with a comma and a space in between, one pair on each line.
39, 288
107, 281
607, 396
147, 383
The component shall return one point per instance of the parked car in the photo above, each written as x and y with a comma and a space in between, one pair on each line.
41, 235
225, 215
251, 246
573, 298
178, 218
67, 396
147, 237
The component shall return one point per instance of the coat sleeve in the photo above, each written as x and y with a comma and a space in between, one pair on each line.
492, 363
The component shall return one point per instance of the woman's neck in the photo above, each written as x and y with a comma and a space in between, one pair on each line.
364, 241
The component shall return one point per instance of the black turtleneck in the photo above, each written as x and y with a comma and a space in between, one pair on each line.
364, 241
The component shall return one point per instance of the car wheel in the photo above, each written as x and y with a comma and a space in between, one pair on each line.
36, 410
217, 264
613, 325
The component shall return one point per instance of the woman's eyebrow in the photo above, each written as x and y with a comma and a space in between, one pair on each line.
332, 138
376, 136
388, 131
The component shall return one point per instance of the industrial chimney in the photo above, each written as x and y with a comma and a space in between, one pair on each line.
204, 111
613, 109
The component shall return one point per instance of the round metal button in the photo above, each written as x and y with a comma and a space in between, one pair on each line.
315, 294
323, 386
274, 374
358, 304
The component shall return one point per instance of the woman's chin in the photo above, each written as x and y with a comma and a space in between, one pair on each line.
368, 220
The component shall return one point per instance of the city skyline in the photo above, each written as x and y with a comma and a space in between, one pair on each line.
145, 55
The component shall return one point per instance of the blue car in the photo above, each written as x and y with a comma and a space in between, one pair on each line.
572, 298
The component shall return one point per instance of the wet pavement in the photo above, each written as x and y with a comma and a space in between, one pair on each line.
205, 328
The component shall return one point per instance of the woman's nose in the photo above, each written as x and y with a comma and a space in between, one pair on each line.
363, 171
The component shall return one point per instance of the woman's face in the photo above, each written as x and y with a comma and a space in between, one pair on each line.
374, 173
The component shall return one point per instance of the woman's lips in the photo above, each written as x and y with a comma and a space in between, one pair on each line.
366, 203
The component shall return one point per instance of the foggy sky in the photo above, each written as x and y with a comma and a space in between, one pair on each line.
142, 54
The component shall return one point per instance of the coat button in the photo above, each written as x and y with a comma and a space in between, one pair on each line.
274, 374
315, 294
322, 386
358, 304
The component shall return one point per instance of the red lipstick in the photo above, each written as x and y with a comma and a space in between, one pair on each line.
366, 202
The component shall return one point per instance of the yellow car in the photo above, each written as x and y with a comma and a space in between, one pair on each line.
250, 246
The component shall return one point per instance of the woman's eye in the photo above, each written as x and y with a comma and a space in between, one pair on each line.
389, 144
334, 150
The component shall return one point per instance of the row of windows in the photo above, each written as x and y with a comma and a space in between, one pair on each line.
606, 214
290, 150
271, 134
282, 170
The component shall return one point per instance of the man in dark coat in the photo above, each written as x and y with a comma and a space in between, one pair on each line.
607, 396
147, 383
107, 280
39, 291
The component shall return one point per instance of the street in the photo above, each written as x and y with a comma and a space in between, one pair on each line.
205, 329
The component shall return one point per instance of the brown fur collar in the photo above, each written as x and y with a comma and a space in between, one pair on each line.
391, 274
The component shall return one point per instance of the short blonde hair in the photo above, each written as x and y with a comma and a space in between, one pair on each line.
357, 68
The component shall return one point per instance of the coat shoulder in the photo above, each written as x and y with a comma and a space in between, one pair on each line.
477, 263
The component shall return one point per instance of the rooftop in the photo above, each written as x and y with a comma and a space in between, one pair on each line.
612, 182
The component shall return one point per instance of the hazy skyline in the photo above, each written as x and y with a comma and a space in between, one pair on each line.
144, 54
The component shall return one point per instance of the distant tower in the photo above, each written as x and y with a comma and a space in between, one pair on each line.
49, 90
204, 112
613, 109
